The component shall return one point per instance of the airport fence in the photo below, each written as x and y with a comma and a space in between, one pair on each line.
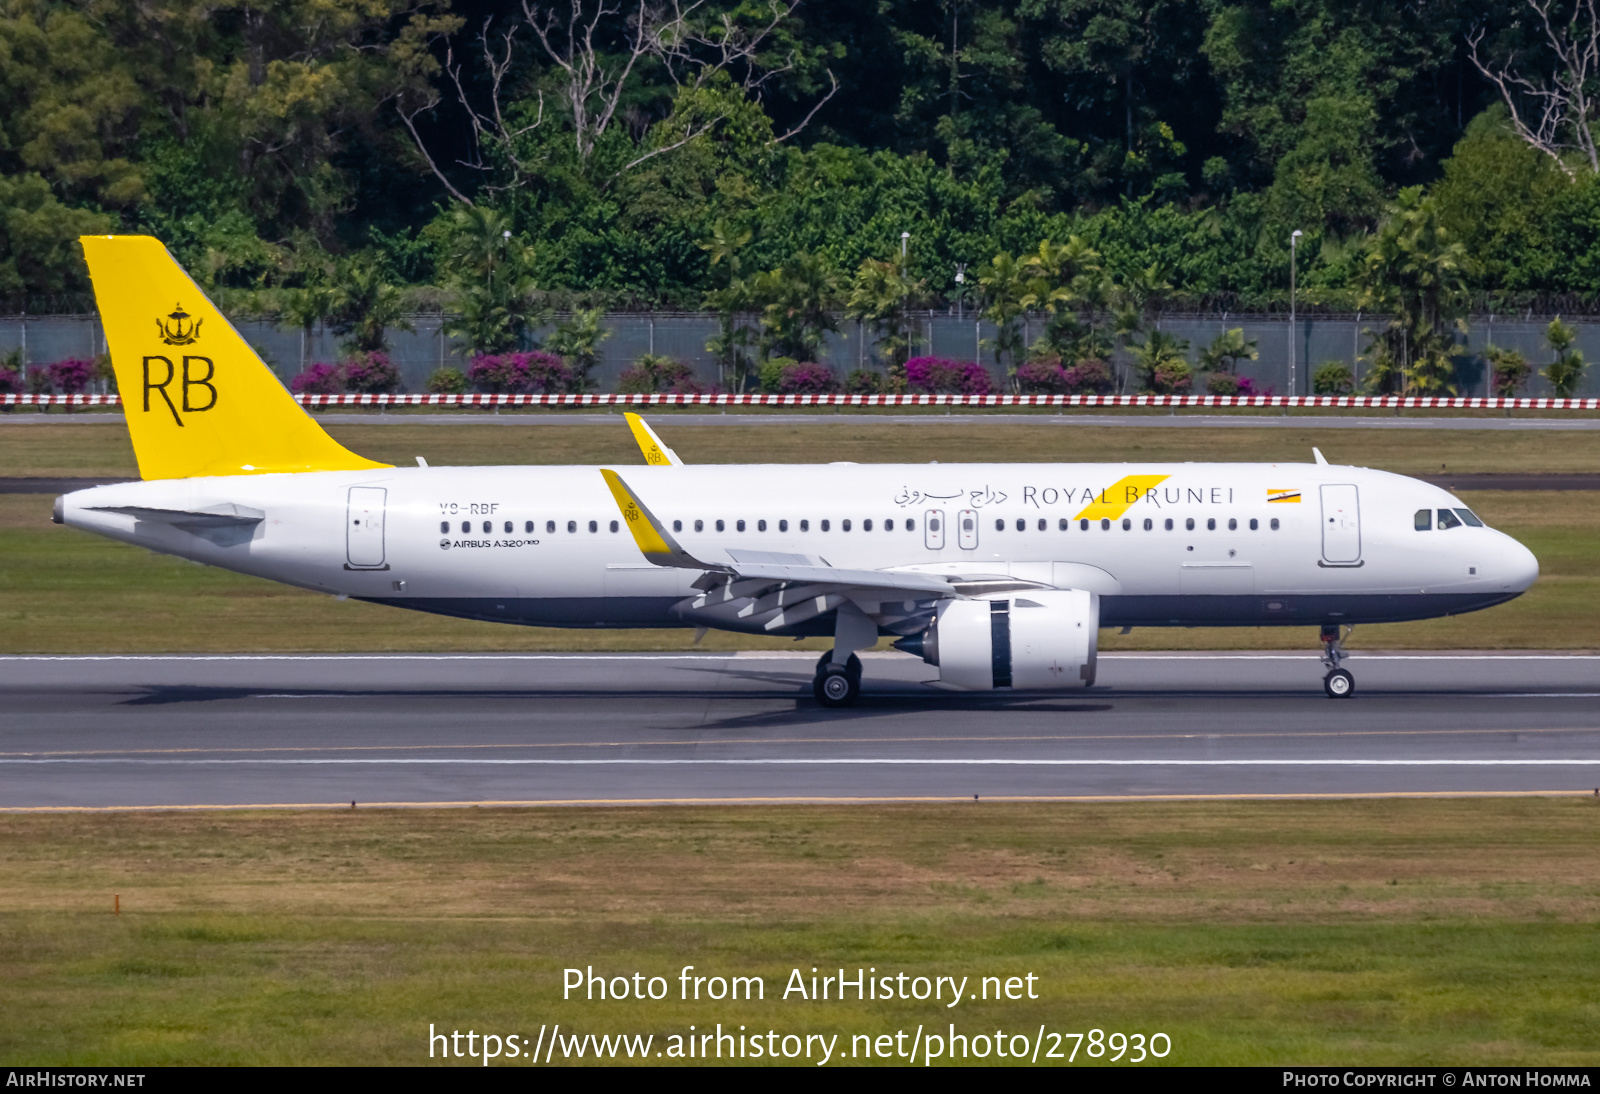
1331, 402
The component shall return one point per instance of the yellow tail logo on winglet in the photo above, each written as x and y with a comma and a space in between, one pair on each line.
198, 399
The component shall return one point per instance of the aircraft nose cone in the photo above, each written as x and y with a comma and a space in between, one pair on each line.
1518, 565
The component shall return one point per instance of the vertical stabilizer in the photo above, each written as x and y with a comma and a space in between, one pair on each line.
197, 398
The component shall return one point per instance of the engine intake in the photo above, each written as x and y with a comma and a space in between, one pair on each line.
1046, 639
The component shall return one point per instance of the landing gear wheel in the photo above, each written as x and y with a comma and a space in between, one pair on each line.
1339, 684
836, 686
852, 666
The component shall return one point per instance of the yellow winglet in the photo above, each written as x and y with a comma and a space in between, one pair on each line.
656, 454
655, 542
197, 399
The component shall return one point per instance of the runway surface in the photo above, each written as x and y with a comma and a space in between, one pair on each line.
144, 732
1178, 420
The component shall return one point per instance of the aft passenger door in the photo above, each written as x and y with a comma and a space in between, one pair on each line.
1341, 525
363, 529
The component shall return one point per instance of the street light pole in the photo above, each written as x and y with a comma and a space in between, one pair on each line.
1294, 241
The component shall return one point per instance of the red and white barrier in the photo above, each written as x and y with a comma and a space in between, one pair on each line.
1372, 402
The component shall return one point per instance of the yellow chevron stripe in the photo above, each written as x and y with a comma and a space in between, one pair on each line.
1120, 496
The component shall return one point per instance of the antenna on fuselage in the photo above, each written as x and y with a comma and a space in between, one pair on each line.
1321, 459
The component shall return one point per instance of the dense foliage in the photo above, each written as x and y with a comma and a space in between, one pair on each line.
496, 152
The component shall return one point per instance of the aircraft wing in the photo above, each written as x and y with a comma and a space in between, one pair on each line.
658, 545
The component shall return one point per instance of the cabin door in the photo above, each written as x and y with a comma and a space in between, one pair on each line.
1341, 525
363, 528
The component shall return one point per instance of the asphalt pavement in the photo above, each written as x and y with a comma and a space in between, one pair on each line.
223, 731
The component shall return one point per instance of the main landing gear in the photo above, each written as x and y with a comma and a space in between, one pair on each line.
837, 685
1338, 683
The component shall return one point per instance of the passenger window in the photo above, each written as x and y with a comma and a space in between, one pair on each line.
761, 526
572, 526
444, 526
1169, 524
805, 526
823, 525
613, 526
1423, 521
1254, 524
933, 525
1188, 524
866, 526
1233, 525
1083, 524
966, 524
888, 525
1105, 524
845, 524
527, 528
1043, 524
911, 525
1211, 524
509, 527
699, 526
999, 525
677, 526
550, 526
1064, 524
594, 526
1447, 519
1127, 525
739, 525
721, 526
1022, 524
1470, 517
783, 526
1274, 524
1148, 524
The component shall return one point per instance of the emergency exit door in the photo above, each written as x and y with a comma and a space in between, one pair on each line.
1341, 525
933, 529
363, 528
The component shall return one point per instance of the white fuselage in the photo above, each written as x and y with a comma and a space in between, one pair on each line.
543, 545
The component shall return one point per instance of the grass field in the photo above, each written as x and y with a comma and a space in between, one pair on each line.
1340, 932
103, 449
63, 591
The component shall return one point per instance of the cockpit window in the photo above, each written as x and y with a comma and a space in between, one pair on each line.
1447, 519
1424, 520
1470, 517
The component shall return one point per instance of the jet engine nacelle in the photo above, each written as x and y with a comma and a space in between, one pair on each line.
1044, 639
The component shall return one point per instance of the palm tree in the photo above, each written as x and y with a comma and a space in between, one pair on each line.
1163, 364
305, 309
491, 281
1567, 369
729, 301
577, 339
882, 295
1417, 273
1006, 287
365, 306
797, 301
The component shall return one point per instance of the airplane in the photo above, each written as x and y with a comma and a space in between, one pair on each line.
998, 575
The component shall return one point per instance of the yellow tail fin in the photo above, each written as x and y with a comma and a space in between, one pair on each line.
197, 398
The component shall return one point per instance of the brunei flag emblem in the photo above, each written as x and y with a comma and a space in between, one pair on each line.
1282, 495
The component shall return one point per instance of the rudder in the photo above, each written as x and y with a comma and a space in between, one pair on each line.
197, 398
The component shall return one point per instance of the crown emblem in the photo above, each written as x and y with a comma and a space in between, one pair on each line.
176, 330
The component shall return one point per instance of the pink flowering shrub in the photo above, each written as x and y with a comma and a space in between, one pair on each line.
519, 373
71, 376
319, 379
371, 374
806, 378
942, 376
10, 382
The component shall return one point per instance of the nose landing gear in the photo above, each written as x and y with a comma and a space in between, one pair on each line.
1338, 683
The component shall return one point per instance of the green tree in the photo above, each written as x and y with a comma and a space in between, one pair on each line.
366, 306
39, 249
882, 295
490, 280
1005, 285
577, 339
1227, 350
797, 302
730, 300
1417, 273
1163, 363
1508, 371
1565, 372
